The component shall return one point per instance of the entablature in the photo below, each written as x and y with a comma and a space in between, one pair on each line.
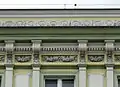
80, 52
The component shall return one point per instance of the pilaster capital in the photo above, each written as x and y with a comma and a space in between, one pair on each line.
109, 41
9, 41
82, 45
36, 67
9, 67
109, 65
110, 68
36, 41
82, 41
36, 44
109, 45
9, 46
82, 65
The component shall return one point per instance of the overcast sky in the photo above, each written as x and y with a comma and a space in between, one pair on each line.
37, 3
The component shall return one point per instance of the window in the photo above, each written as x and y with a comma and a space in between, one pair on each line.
68, 83
118, 80
59, 82
50, 83
1, 80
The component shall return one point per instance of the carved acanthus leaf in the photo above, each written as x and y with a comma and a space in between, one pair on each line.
59, 58
95, 58
23, 58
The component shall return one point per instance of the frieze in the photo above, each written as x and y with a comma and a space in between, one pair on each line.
23, 58
48, 23
59, 58
95, 58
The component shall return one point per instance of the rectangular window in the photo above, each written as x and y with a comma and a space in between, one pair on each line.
118, 80
68, 83
59, 82
0, 81
50, 83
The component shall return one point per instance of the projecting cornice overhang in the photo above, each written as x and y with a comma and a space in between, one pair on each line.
17, 18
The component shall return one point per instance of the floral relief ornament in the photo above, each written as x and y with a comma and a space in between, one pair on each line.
23, 58
62, 58
8, 23
95, 58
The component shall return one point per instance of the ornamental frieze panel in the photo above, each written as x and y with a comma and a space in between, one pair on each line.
59, 58
47, 23
23, 58
95, 58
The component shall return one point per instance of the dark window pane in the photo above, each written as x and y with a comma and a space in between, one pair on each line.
118, 82
50, 83
0, 80
68, 83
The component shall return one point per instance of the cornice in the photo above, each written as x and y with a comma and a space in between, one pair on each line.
61, 13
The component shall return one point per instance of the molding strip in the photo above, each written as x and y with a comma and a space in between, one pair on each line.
58, 23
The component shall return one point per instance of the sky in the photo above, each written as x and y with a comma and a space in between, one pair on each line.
59, 4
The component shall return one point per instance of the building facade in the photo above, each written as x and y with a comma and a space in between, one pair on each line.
60, 48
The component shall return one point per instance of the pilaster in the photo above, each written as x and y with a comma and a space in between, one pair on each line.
82, 65
82, 47
36, 46
9, 47
110, 76
82, 75
36, 77
109, 63
109, 47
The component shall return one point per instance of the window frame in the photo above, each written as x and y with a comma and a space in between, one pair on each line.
116, 74
116, 79
61, 77
2, 80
